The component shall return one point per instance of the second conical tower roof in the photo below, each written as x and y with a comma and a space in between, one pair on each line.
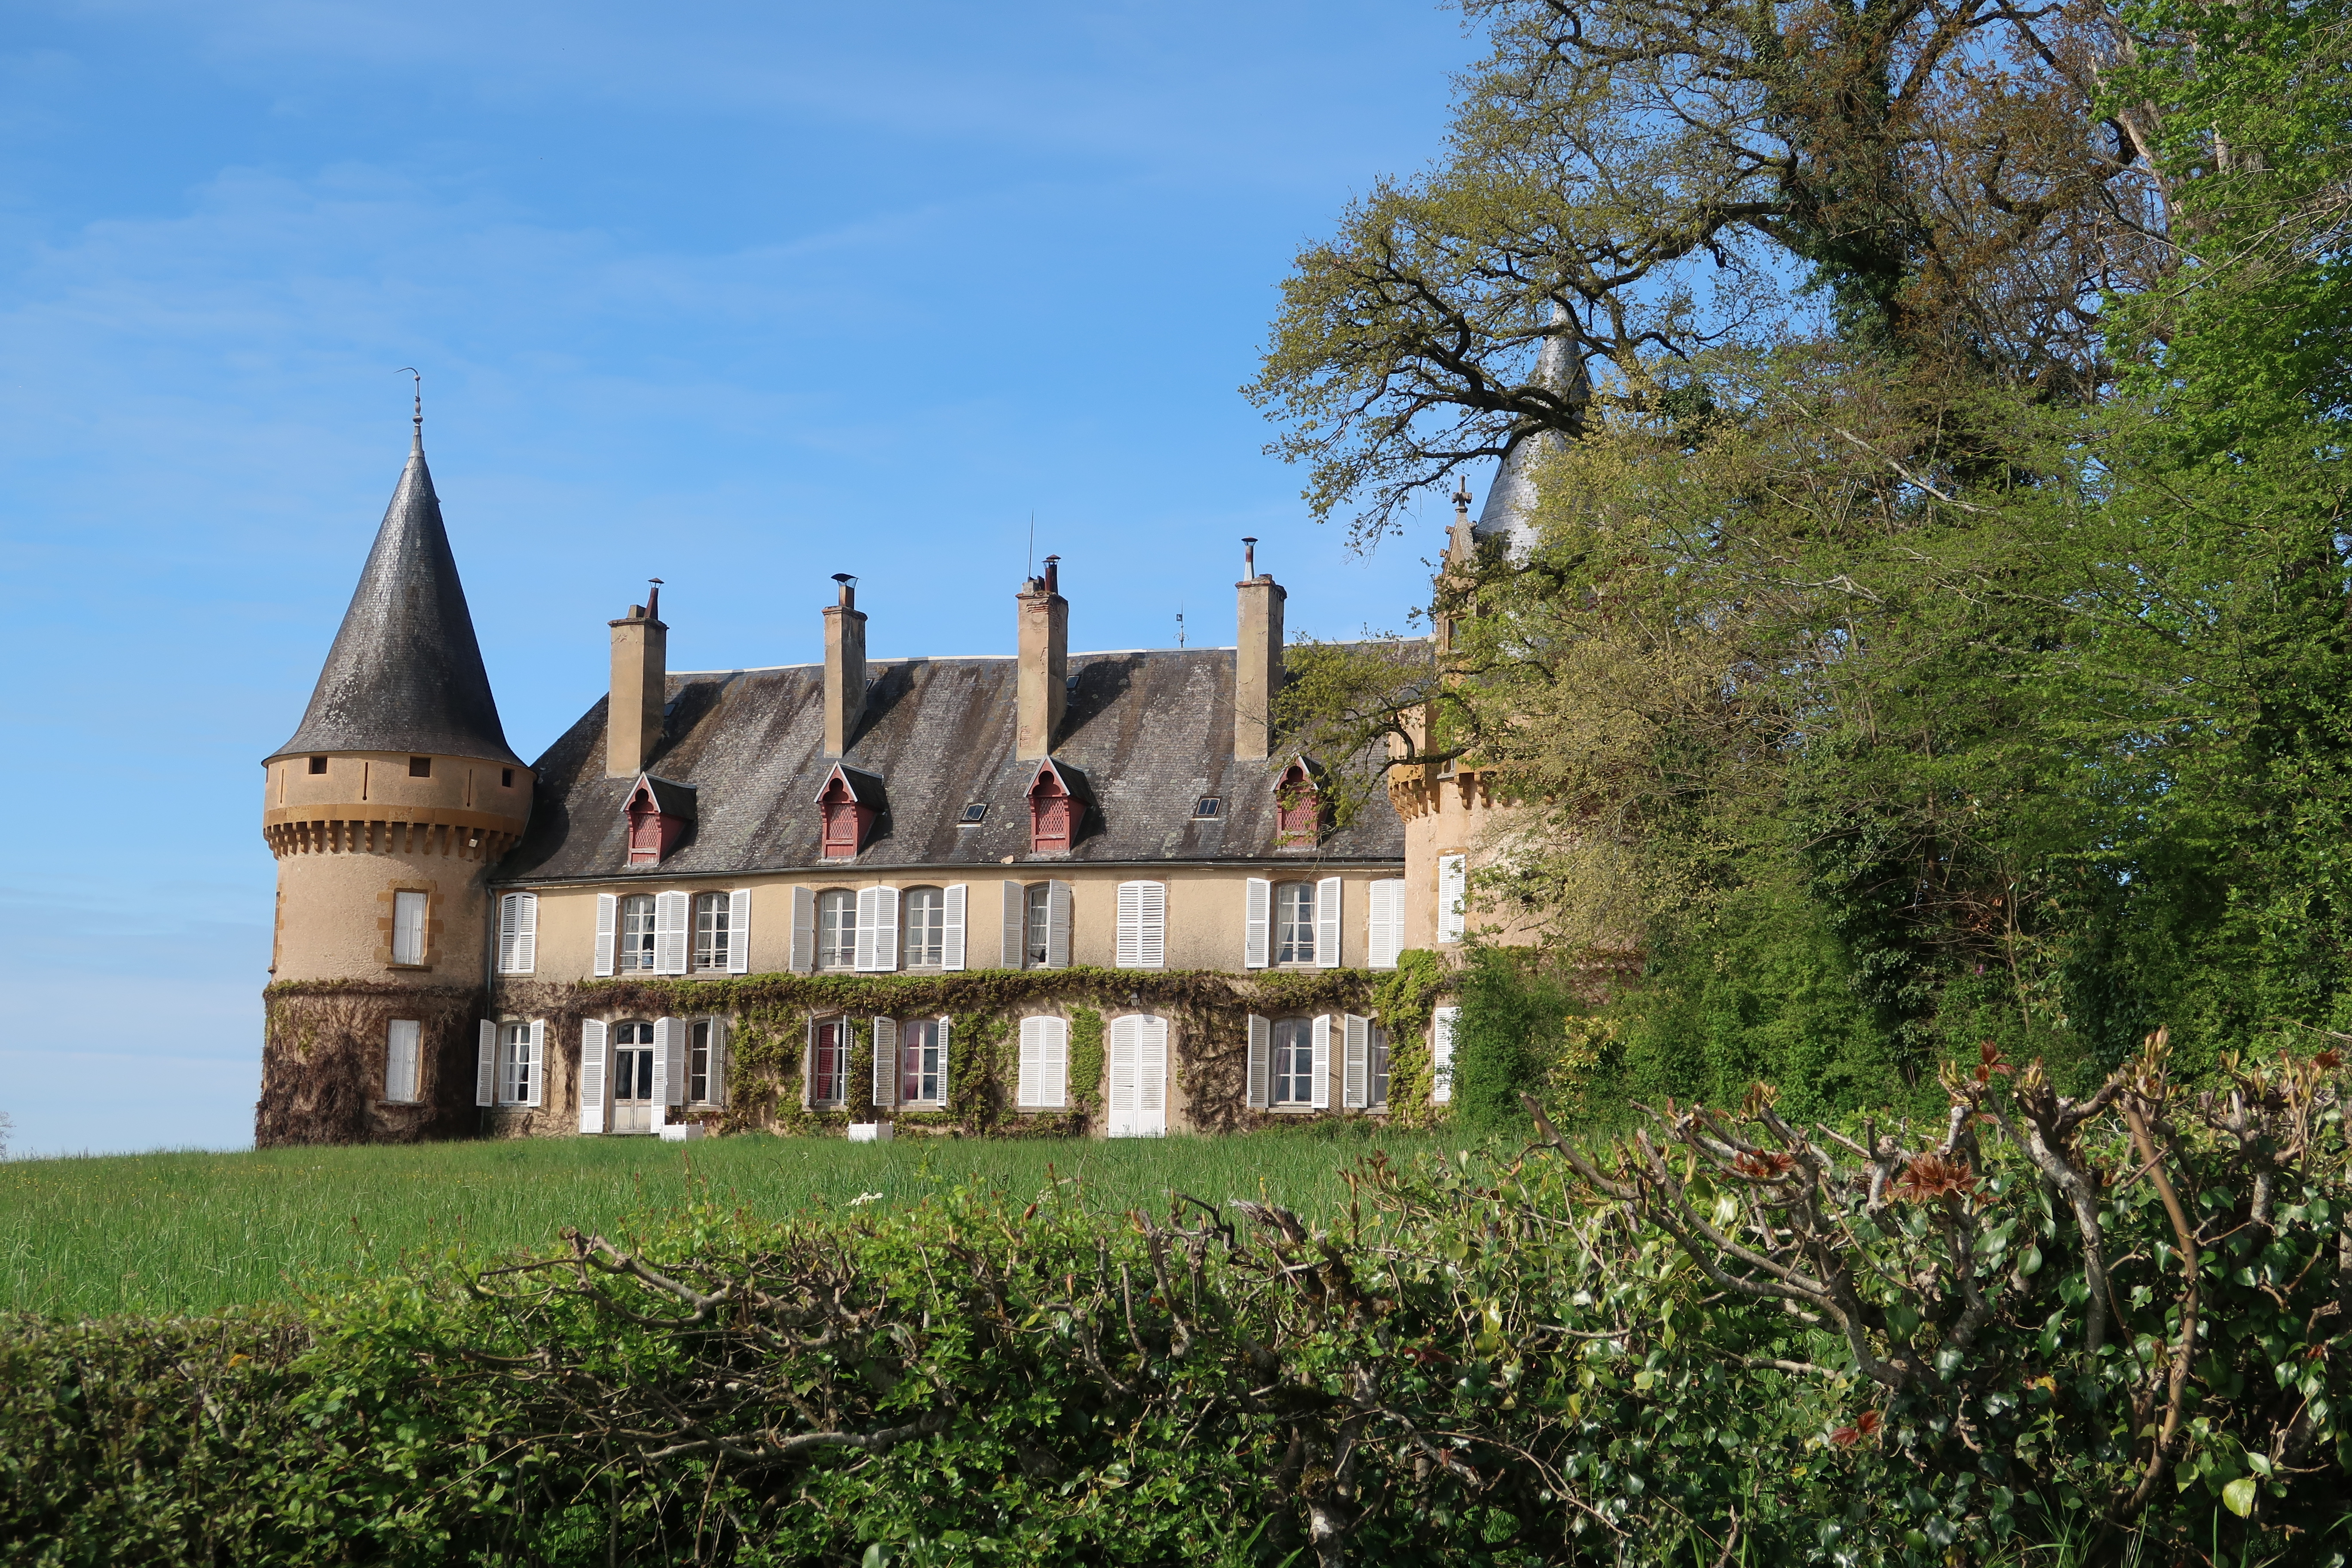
405, 673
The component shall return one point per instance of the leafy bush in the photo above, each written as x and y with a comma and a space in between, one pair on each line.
2112, 1318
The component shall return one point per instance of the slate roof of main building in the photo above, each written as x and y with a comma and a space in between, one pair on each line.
1152, 730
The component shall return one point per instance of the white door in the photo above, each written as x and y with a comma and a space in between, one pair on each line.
1138, 1076
633, 1078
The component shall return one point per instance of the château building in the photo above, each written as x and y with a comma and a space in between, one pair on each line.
1080, 892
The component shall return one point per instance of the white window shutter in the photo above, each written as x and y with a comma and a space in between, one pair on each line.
510, 908
1127, 953
1054, 1063
608, 918
803, 953
951, 926
885, 1063
1151, 1076
1029, 1091
718, 1088
1261, 1061
1452, 889
1326, 923
1318, 1081
1142, 925
885, 930
947, 1088
593, 1047
669, 1067
1258, 917
1016, 915
862, 949
1440, 1053
1385, 928
739, 932
1356, 1071
537, 1086
673, 913
1058, 925
486, 1066
1125, 1082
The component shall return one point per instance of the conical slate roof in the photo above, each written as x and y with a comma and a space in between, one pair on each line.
1511, 504
405, 673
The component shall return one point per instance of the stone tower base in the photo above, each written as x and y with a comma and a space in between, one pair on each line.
323, 1063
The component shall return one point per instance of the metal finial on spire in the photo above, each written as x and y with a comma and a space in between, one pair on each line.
1462, 498
416, 419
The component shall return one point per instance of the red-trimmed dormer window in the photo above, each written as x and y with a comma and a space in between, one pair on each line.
842, 829
653, 831
1052, 814
1299, 808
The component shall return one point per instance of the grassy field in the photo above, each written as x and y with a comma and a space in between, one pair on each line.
175, 1233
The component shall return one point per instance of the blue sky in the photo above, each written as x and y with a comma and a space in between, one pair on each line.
737, 296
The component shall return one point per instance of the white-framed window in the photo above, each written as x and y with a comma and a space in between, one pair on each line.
828, 1063
400, 1060
714, 935
1376, 1063
518, 1066
836, 928
1294, 922
1294, 1061
1453, 892
637, 931
408, 911
925, 910
1142, 940
518, 933
1037, 924
923, 1062
1044, 1076
706, 1062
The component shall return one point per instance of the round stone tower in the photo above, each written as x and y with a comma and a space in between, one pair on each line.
387, 811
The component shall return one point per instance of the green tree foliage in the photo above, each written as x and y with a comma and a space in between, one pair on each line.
1953, 666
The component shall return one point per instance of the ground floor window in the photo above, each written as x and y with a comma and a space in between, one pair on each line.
702, 1061
923, 1062
400, 1061
828, 1063
1294, 1061
515, 1064
1376, 1062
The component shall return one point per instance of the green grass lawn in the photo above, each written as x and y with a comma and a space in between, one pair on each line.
175, 1233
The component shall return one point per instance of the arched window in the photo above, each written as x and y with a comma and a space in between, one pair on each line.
841, 823
1037, 924
836, 928
1299, 808
1294, 1061
713, 939
637, 949
1049, 814
926, 913
923, 1062
1294, 922
632, 1076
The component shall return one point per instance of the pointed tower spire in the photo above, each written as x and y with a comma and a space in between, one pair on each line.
1511, 504
405, 673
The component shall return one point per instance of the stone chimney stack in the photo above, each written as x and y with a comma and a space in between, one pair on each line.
1257, 659
632, 719
1042, 691
844, 667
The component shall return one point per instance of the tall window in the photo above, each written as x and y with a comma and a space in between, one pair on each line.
1294, 927
1038, 911
514, 1064
636, 951
836, 928
408, 927
632, 1066
702, 1040
926, 927
922, 1063
1376, 1067
1294, 1061
711, 936
828, 1076
400, 1061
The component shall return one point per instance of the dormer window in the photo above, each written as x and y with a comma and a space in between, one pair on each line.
659, 813
1298, 807
1057, 807
846, 808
